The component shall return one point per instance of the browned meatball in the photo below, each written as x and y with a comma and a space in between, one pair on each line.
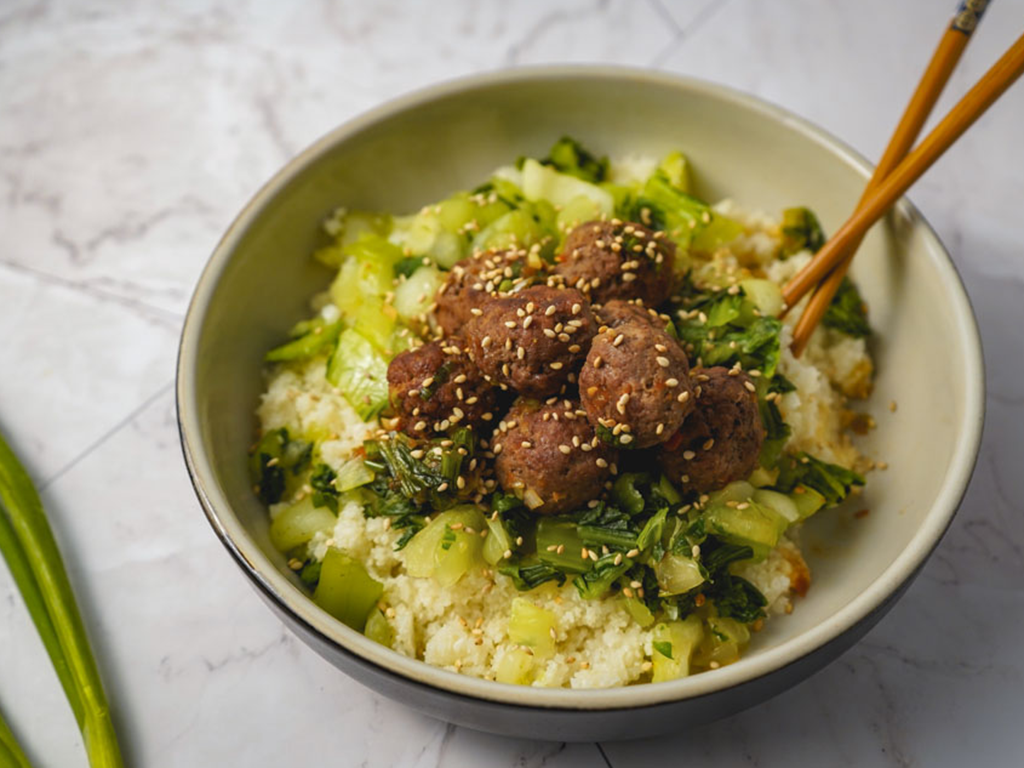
721, 440
533, 341
635, 385
617, 260
475, 280
618, 311
548, 454
436, 387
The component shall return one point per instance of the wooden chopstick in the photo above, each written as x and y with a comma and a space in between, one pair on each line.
972, 106
933, 81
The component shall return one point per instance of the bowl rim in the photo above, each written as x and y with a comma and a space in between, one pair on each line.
299, 608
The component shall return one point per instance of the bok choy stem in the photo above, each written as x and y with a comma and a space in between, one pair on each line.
35, 561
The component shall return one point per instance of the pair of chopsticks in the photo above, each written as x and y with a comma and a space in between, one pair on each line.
898, 170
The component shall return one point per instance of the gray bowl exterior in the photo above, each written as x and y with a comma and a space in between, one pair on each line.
422, 147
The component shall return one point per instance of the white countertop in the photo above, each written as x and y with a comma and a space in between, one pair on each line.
129, 139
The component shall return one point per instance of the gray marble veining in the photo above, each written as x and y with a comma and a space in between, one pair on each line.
130, 134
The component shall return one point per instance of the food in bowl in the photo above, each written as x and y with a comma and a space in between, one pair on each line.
549, 431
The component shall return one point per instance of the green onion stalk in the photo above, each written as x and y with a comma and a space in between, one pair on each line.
31, 552
10, 753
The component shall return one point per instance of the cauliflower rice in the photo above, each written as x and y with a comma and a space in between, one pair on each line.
598, 644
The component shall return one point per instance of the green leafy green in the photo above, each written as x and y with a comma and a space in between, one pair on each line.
527, 576
440, 377
663, 647
801, 230
715, 554
310, 573
316, 336
607, 525
777, 432
596, 582
830, 480
274, 458
736, 598
407, 265
568, 156
325, 492
847, 313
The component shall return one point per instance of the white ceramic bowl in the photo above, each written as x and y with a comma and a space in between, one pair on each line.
421, 147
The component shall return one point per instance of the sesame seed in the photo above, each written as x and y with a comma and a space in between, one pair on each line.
593, 555
662, 361
427, 382
485, 342
527, 322
476, 311
683, 396
625, 439
672, 383
550, 310
510, 323
750, 386
661, 347
602, 463
627, 591
709, 443
507, 554
618, 340
576, 309
417, 454
442, 488
660, 428
526, 444
419, 426
633, 552
555, 366
688, 455
583, 553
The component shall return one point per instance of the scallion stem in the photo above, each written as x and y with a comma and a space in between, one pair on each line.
10, 751
22, 509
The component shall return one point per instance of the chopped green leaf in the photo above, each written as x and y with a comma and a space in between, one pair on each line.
568, 156
596, 582
830, 480
663, 647
801, 230
847, 313
532, 575
736, 598
407, 265
325, 493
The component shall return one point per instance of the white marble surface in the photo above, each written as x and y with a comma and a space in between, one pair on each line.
132, 132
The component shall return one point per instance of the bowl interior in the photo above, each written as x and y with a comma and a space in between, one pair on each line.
421, 148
